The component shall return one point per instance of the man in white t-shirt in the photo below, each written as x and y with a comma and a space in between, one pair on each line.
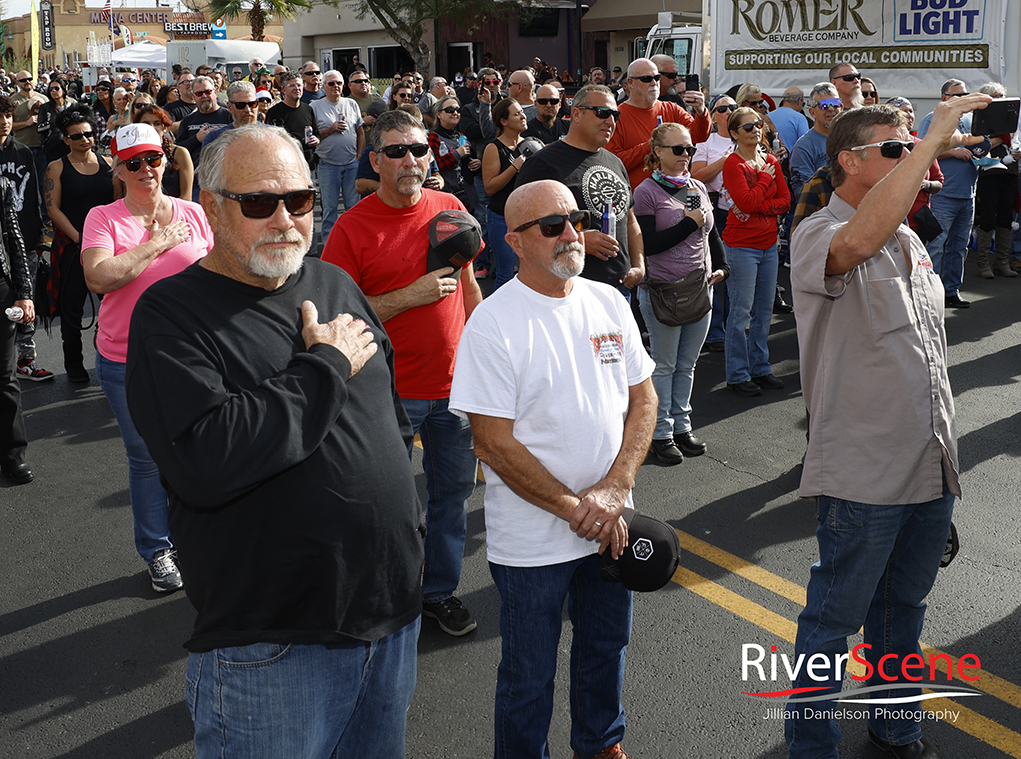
552, 374
342, 141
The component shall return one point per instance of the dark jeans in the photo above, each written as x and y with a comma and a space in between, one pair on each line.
73, 294
13, 437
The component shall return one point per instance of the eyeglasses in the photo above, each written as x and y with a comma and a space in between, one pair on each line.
403, 95
680, 149
418, 150
751, 126
334, 84
245, 104
754, 103
725, 108
262, 205
889, 148
869, 94
601, 111
29, 79
553, 226
359, 81
418, 79
647, 78
669, 74
196, 93
139, 105
80, 136
134, 164
491, 82
847, 77
827, 105
958, 94
450, 109
129, 79
303, 73
547, 101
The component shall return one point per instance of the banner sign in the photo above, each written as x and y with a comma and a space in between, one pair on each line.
917, 42
46, 17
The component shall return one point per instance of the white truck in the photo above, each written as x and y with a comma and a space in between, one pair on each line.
907, 47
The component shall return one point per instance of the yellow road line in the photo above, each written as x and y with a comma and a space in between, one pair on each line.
982, 728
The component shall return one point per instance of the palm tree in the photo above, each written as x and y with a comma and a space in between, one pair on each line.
256, 11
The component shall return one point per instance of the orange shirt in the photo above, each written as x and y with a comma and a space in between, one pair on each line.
630, 140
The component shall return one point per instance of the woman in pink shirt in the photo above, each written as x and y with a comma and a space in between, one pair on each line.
127, 246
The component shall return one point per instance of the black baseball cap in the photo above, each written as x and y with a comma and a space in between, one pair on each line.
455, 238
652, 555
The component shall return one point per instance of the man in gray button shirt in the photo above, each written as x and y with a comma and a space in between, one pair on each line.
882, 451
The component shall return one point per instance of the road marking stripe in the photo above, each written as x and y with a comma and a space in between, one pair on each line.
969, 721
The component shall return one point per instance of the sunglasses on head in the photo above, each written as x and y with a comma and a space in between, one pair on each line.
262, 205
80, 136
245, 104
547, 101
848, 77
680, 149
725, 108
889, 148
451, 109
601, 111
553, 226
134, 164
831, 104
751, 126
471, 77
418, 150
648, 78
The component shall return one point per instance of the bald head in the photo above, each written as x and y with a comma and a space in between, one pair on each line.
535, 200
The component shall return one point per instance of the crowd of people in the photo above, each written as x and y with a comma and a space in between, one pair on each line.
630, 224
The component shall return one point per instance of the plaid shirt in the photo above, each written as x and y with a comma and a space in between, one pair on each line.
814, 196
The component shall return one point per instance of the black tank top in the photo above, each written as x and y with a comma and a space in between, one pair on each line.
80, 193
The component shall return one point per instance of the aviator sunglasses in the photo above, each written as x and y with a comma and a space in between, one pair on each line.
418, 150
262, 205
553, 226
889, 148
134, 164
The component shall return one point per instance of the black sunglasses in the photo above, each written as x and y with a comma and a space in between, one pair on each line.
29, 79
889, 148
303, 73
681, 149
725, 108
418, 150
547, 101
553, 226
80, 136
359, 81
958, 94
134, 164
848, 77
403, 95
451, 109
601, 111
869, 94
245, 104
669, 74
262, 205
647, 78
752, 125
754, 103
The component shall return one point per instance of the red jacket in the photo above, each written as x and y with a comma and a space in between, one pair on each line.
758, 200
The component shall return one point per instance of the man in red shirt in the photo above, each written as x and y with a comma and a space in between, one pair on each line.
641, 113
383, 243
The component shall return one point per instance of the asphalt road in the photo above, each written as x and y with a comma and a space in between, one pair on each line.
92, 665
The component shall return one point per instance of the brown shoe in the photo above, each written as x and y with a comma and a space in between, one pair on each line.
613, 752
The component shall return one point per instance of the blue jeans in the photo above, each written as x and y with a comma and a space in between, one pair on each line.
876, 566
271, 700
721, 303
448, 458
675, 351
334, 180
751, 288
485, 258
949, 249
504, 256
531, 605
148, 498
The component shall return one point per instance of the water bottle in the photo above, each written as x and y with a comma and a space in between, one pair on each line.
15, 313
659, 121
607, 217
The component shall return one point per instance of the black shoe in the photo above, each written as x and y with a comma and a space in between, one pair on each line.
76, 373
920, 749
667, 451
780, 306
768, 380
747, 387
689, 444
453, 617
956, 301
19, 474
163, 572
717, 346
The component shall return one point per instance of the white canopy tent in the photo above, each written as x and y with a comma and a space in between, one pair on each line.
144, 55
